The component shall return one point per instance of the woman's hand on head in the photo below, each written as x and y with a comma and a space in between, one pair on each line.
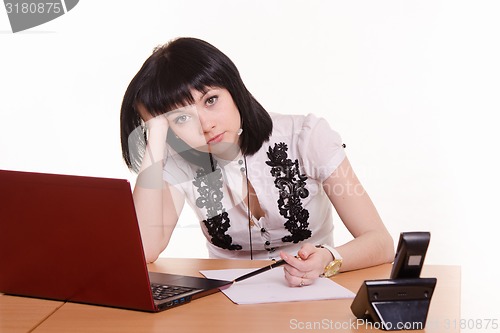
156, 132
157, 123
307, 266
152, 122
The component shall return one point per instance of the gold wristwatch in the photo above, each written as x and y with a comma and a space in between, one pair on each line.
333, 266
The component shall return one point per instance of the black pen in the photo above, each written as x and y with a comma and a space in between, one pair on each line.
260, 270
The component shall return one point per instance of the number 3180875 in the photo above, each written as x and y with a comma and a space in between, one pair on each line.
475, 324
33, 7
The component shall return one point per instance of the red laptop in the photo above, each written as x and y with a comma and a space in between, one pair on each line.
77, 239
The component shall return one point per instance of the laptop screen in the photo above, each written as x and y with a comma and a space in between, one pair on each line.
71, 238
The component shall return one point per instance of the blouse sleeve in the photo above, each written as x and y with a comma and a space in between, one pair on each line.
176, 169
320, 147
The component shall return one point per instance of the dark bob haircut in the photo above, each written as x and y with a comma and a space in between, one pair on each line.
164, 83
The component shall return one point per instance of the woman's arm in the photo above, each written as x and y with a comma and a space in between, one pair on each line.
157, 204
372, 243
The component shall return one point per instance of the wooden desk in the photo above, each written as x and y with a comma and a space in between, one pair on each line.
22, 314
216, 313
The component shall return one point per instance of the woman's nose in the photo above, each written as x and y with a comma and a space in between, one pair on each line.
207, 122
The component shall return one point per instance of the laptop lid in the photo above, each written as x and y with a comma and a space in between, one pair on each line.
72, 238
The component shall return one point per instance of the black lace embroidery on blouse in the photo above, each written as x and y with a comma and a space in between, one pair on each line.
291, 185
209, 185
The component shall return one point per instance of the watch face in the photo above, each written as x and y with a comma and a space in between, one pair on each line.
333, 268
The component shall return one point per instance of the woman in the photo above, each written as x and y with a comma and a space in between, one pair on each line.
262, 184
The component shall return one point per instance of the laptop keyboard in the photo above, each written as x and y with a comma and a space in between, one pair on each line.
161, 292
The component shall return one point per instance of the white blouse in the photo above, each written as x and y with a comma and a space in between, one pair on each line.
287, 175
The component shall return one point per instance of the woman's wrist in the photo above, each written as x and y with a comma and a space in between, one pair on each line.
325, 255
157, 129
331, 253
155, 148
334, 261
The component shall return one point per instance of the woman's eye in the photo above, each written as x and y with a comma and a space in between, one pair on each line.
211, 100
182, 119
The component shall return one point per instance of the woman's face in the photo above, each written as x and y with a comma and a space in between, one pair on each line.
211, 124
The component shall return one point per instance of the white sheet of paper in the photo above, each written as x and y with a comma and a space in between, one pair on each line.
271, 287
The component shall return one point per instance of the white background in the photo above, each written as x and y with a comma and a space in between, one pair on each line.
412, 86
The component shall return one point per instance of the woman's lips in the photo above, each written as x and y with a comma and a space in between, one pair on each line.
216, 139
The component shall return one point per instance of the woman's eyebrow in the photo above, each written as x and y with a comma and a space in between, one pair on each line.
179, 110
173, 112
204, 93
